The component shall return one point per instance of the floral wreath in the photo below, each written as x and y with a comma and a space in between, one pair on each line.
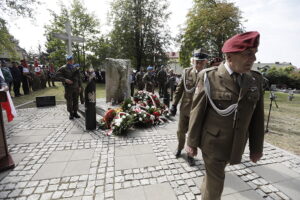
144, 109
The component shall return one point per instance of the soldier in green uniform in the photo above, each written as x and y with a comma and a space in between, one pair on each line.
139, 80
227, 109
149, 80
161, 80
69, 74
185, 91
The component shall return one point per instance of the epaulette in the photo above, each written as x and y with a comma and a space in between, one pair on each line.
211, 68
257, 72
208, 69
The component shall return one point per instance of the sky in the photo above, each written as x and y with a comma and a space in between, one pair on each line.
278, 22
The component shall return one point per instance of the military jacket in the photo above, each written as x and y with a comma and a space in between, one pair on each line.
72, 74
149, 82
139, 77
186, 96
224, 138
161, 76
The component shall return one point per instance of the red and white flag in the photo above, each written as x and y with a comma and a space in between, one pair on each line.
8, 106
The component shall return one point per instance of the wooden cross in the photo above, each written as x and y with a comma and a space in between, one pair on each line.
68, 37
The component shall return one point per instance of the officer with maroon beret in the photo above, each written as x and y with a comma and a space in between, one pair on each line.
227, 110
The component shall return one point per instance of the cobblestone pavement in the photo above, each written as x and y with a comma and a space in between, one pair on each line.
56, 159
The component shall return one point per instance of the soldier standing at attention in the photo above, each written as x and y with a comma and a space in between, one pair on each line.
185, 91
149, 80
70, 76
228, 109
139, 79
161, 79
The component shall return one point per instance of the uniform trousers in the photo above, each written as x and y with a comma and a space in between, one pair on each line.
17, 85
72, 95
183, 126
213, 182
161, 86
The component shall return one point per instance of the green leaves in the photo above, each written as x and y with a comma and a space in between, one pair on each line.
209, 24
139, 31
83, 25
288, 76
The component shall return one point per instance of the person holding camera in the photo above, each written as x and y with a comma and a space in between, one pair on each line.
185, 92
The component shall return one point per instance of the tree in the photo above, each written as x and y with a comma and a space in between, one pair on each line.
13, 8
7, 41
209, 24
18, 7
139, 31
101, 48
83, 24
284, 77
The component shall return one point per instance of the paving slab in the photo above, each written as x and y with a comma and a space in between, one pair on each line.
60, 156
150, 192
146, 160
159, 192
124, 150
74, 168
142, 149
290, 187
233, 184
125, 162
26, 139
275, 172
246, 195
130, 194
82, 154
72, 137
50, 170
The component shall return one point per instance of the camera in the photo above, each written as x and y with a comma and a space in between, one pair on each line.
272, 96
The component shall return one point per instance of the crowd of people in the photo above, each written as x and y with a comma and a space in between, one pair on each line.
29, 77
164, 79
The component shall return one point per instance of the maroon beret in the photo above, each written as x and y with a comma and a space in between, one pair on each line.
241, 42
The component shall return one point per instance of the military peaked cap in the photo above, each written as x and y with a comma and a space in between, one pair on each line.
200, 54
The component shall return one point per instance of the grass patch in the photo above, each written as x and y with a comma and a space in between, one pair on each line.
57, 91
284, 125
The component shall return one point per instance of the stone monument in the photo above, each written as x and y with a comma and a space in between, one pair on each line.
117, 84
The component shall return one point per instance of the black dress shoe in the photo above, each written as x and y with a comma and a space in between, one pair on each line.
178, 153
71, 117
191, 161
76, 115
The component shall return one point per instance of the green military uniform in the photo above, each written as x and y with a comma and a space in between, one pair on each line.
161, 80
222, 139
185, 91
71, 90
148, 80
139, 80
